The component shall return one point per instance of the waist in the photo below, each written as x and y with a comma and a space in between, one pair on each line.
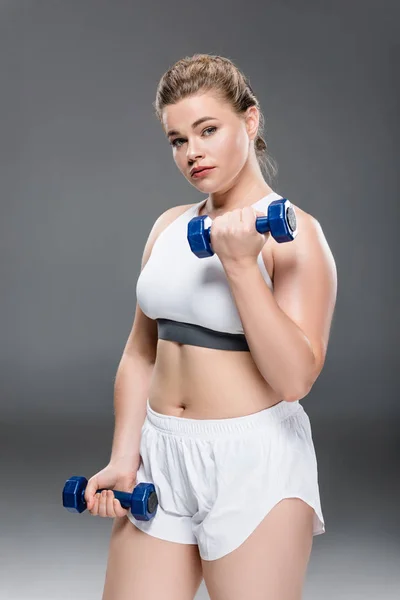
215, 428
207, 383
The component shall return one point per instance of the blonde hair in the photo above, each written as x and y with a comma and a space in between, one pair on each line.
207, 72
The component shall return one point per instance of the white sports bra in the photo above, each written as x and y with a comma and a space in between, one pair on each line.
175, 286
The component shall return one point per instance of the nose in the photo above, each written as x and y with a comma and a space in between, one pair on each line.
194, 153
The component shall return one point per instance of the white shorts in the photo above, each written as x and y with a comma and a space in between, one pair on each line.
216, 479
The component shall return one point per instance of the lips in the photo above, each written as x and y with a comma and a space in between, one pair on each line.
201, 170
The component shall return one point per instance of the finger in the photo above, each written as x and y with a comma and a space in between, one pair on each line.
235, 216
110, 504
93, 500
90, 492
119, 510
248, 215
103, 504
95, 506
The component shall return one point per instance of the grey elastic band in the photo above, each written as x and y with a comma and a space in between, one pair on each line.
196, 335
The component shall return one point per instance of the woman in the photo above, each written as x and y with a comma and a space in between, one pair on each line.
221, 351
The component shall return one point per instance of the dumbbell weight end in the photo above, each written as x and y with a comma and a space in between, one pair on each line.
280, 221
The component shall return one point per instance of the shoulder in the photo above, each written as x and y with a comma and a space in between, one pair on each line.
310, 246
170, 215
162, 221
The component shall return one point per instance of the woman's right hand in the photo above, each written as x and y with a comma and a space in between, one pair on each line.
119, 475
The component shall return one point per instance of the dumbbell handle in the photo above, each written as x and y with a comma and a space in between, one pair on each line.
262, 224
124, 497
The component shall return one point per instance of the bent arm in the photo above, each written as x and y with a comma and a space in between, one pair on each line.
287, 330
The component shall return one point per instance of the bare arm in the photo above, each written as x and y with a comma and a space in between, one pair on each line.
136, 367
130, 393
288, 330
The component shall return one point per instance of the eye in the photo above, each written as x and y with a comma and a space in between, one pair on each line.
176, 140
208, 128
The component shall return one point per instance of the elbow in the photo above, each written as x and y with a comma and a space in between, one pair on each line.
304, 386
294, 395
298, 392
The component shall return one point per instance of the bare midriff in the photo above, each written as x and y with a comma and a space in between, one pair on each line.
204, 383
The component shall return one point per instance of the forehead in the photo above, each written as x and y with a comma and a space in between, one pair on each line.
182, 114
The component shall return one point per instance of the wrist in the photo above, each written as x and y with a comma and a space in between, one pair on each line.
125, 459
235, 268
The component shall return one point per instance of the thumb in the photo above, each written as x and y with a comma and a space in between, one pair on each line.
90, 491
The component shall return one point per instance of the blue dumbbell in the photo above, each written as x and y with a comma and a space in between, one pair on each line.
143, 501
280, 221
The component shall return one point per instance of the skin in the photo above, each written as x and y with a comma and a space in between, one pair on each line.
178, 385
302, 305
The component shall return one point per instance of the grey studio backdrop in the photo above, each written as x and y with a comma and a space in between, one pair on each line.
86, 170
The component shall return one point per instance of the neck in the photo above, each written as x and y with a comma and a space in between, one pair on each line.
248, 188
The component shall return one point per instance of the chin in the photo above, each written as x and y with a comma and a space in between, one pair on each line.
204, 185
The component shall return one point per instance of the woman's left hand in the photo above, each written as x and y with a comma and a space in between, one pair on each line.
234, 237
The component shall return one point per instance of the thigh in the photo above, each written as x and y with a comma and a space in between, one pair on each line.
271, 564
142, 566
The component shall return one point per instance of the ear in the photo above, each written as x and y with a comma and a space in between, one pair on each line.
252, 121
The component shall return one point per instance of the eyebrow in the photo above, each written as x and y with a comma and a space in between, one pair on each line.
194, 125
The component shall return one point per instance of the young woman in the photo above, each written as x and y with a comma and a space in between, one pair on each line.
221, 351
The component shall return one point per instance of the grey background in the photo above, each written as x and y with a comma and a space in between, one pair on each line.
86, 170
